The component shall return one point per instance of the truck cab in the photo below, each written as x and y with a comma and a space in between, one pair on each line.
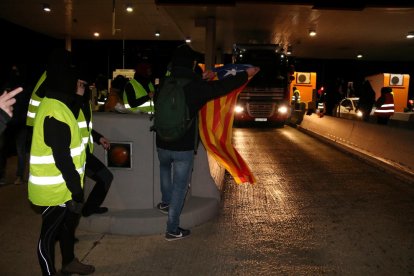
265, 99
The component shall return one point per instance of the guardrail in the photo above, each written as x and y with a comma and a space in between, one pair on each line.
388, 146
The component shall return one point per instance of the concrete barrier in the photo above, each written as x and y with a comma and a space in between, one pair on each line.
135, 191
388, 146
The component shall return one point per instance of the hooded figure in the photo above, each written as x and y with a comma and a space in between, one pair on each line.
184, 56
176, 157
57, 161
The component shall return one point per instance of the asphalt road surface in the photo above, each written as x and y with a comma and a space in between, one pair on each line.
315, 210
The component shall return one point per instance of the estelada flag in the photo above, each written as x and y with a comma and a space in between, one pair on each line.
216, 128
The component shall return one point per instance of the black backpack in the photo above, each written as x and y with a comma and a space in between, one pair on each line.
171, 114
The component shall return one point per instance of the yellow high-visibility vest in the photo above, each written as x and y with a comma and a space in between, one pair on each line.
147, 107
34, 101
46, 185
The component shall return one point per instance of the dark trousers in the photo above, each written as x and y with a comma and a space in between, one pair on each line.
58, 224
98, 172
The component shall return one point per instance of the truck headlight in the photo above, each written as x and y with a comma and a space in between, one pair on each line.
238, 109
282, 109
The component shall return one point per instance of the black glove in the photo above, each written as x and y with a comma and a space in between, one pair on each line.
74, 206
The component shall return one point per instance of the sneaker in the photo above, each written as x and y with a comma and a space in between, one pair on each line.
163, 208
180, 234
76, 267
18, 181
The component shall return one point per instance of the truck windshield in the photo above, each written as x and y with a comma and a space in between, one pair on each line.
273, 67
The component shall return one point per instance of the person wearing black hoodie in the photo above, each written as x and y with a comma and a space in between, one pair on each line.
57, 161
176, 158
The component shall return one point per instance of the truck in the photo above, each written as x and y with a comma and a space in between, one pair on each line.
265, 99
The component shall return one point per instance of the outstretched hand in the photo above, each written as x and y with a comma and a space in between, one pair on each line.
251, 71
7, 100
105, 143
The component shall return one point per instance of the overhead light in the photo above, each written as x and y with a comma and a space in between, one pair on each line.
289, 50
46, 8
157, 34
96, 34
312, 32
188, 40
129, 8
410, 35
360, 56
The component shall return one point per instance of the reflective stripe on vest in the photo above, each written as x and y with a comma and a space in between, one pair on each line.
294, 98
46, 186
148, 106
86, 132
35, 101
387, 108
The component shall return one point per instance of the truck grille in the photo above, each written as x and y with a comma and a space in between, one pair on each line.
260, 110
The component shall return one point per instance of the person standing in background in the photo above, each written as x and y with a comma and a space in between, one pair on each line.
139, 91
114, 101
384, 106
366, 100
7, 100
16, 135
94, 168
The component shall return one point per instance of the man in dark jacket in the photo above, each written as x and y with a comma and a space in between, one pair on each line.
178, 156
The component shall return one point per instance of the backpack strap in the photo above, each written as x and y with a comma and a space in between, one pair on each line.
183, 82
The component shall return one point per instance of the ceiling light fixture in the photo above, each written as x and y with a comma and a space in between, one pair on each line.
410, 35
157, 34
129, 8
188, 40
96, 34
312, 32
360, 56
46, 8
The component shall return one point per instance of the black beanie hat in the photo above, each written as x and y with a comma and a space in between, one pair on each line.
184, 56
62, 75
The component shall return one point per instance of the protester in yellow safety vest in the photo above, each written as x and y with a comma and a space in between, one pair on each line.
295, 95
139, 91
95, 169
57, 161
36, 98
384, 106
321, 103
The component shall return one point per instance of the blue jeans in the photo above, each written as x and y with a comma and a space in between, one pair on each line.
175, 173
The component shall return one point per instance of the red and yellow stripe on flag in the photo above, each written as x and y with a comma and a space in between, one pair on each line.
216, 130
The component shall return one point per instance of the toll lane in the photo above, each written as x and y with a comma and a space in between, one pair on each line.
316, 210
